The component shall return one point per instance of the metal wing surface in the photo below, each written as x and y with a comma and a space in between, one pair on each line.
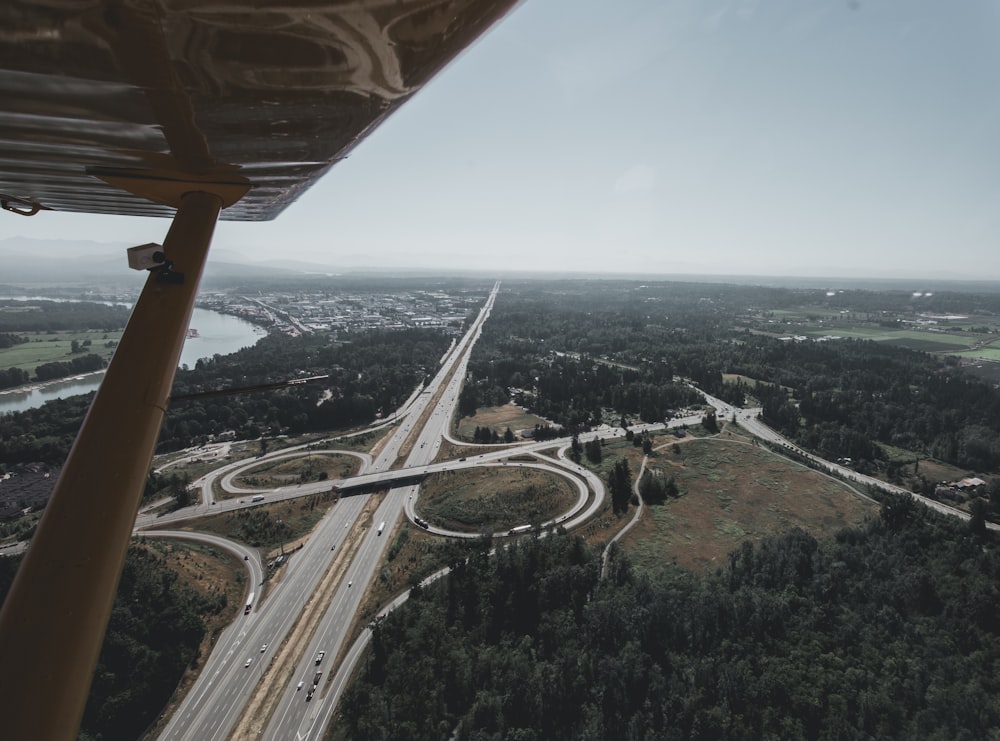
100, 95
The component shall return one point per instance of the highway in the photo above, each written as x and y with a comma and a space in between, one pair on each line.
258, 681
294, 717
216, 706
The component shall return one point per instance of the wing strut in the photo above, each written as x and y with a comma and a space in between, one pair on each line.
53, 621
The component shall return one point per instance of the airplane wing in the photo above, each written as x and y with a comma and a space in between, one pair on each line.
101, 93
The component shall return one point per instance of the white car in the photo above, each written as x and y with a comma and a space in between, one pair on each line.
263, 648
249, 662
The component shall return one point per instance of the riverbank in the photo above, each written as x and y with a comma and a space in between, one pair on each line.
217, 334
39, 385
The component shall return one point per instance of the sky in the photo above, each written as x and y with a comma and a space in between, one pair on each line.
854, 138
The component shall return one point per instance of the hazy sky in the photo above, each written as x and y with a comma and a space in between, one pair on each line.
788, 137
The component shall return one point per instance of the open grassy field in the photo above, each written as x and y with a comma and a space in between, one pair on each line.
272, 474
44, 347
990, 352
493, 499
499, 419
731, 492
915, 339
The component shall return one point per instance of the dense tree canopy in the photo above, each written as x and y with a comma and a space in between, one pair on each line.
40, 315
891, 630
155, 629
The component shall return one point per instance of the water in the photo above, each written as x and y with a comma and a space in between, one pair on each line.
218, 334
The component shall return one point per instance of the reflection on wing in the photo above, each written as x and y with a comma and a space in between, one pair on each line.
273, 95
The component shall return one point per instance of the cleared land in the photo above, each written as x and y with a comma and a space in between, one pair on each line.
493, 499
731, 492
499, 419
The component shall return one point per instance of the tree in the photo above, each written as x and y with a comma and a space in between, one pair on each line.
710, 423
647, 445
651, 489
620, 485
593, 450
977, 522
508, 436
182, 494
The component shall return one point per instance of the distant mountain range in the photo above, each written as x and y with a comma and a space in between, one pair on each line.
28, 261
49, 261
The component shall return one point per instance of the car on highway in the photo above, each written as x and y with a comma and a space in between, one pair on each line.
249, 662
300, 685
263, 648
319, 657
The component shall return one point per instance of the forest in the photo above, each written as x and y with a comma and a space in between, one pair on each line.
888, 630
154, 633
370, 373
575, 351
41, 315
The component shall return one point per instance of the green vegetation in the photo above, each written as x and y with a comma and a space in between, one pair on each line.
53, 316
52, 339
549, 346
156, 628
890, 630
268, 526
299, 470
493, 499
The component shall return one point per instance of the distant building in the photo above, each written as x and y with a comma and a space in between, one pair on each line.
968, 483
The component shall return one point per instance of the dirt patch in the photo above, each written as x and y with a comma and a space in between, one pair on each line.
731, 492
450, 452
493, 499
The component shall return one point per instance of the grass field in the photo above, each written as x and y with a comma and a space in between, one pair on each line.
49, 348
731, 492
272, 474
499, 419
991, 352
911, 338
493, 499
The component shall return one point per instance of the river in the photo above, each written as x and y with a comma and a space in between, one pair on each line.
218, 334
